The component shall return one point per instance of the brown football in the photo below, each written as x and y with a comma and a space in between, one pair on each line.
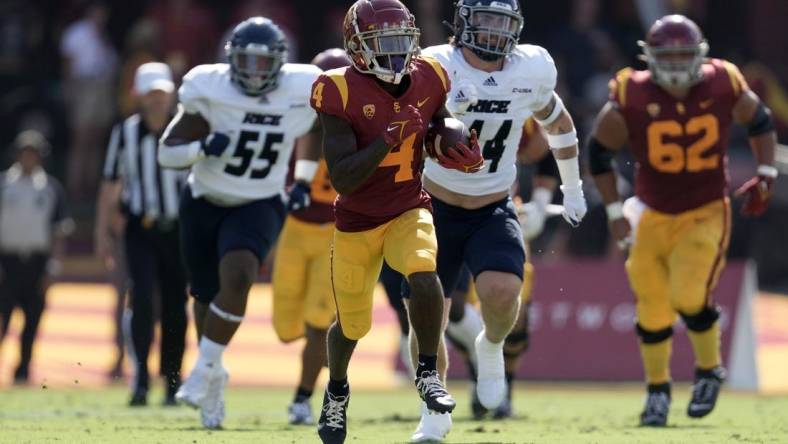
444, 135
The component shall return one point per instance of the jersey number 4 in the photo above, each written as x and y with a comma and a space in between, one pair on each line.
493, 149
245, 153
668, 157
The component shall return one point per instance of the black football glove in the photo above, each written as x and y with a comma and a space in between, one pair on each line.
215, 144
299, 197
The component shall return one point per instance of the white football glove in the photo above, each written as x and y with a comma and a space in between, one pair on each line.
532, 218
463, 95
534, 214
574, 204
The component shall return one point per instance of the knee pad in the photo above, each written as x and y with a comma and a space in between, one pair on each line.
420, 261
355, 326
288, 332
516, 343
319, 317
653, 337
702, 321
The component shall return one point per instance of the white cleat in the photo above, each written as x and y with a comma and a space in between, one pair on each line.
300, 413
491, 381
195, 388
212, 409
433, 426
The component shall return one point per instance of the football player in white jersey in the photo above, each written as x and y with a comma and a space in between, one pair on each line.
496, 86
236, 127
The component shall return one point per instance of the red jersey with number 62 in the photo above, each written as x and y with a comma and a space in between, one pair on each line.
681, 146
395, 187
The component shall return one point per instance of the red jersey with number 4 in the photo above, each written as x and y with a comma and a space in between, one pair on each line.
681, 146
395, 186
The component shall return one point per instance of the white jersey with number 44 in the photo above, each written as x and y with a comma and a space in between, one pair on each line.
506, 99
262, 131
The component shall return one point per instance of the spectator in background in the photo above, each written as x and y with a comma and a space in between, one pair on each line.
187, 33
33, 223
149, 198
282, 13
89, 63
142, 46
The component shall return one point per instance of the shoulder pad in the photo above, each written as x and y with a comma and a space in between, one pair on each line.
619, 86
200, 82
330, 93
732, 74
439, 70
297, 78
440, 52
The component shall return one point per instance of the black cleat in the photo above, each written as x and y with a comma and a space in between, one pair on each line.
655, 414
139, 398
477, 409
433, 392
705, 391
332, 426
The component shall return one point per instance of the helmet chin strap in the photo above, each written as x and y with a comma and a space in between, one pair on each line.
486, 56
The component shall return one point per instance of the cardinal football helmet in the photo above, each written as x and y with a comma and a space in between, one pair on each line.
381, 38
675, 50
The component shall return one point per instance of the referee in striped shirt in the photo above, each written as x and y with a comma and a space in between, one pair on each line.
147, 196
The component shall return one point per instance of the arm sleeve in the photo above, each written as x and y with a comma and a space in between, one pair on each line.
113, 156
545, 79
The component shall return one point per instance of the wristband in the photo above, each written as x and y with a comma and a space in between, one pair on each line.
557, 141
767, 171
615, 210
305, 170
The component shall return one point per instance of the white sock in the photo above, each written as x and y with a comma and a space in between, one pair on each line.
486, 345
468, 328
210, 353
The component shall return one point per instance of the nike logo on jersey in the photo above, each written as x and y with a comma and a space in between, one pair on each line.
706, 103
422, 102
490, 82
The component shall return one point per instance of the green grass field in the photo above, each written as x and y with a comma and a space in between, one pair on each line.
545, 414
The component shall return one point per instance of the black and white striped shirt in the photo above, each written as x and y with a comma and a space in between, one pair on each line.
148, 190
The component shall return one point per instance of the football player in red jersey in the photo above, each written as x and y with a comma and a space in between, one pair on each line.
302, 302
374, 116
676, 117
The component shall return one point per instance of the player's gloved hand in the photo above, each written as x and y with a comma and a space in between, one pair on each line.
403, 124
463, 95
621, 231
215, 144
462, 158
757, 191
299, 197
574, 203
534, 214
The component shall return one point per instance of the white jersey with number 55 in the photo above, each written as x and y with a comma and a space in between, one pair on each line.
506, 99
262, 131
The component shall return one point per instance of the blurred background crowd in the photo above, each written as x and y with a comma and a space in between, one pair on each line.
66, 69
